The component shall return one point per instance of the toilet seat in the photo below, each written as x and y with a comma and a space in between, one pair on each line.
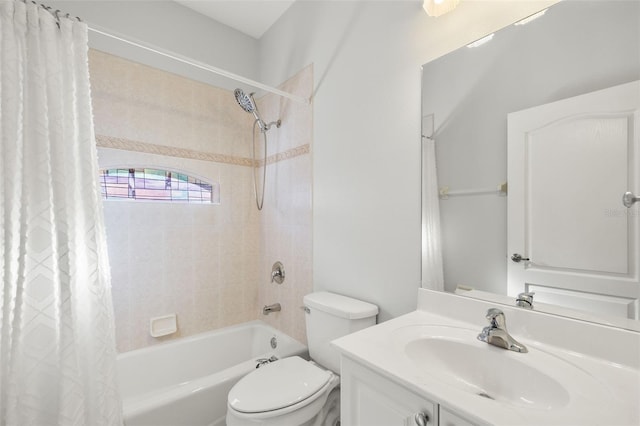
289, 383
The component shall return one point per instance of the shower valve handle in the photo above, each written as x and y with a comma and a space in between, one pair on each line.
277, 273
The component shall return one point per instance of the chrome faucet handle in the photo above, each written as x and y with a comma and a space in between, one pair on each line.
525, 300
496, 333
496, 318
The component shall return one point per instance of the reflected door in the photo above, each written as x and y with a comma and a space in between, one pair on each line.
569, 164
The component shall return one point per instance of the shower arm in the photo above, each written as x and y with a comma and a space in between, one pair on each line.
268, 126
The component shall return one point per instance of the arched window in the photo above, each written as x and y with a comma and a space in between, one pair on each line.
156, 185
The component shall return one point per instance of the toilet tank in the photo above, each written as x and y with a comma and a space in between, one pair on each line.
330, 316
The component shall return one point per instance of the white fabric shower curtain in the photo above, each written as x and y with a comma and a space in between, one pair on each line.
432, 266
57, 352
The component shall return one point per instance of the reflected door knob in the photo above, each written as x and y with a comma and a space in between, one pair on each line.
421, 419
516, 257
629, 198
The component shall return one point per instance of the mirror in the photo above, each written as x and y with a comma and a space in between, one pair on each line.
574, 48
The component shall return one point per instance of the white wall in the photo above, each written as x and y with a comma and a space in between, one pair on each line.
366, 150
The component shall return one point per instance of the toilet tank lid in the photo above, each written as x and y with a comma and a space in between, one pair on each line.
340, 306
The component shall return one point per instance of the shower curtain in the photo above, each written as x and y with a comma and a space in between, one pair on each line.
57, 351
432, 268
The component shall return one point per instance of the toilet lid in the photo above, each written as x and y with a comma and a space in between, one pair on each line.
277, 385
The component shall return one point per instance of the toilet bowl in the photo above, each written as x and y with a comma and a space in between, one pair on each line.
290, 391
296, 392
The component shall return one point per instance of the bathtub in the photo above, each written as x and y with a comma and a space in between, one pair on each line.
185, 382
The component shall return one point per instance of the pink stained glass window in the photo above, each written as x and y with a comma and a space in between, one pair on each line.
156, 185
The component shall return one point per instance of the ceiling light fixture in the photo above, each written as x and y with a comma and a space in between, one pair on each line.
439, 7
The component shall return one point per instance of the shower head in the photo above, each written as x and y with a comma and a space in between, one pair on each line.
245, 101
248, 104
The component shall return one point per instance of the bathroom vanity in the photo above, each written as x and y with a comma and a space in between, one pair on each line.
428, 367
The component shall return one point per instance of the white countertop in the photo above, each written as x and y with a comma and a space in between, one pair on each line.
606, 389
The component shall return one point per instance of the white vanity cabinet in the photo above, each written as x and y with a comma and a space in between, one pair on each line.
449, 418
370, 399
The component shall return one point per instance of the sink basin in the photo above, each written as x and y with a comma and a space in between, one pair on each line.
454, 356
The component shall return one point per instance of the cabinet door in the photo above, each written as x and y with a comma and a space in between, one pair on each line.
448, 418
369, 399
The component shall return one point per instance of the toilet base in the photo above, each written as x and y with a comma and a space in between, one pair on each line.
329, 415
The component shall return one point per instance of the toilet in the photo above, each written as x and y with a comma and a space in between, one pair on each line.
295, 392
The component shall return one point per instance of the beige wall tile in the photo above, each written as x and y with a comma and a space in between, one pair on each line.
211, 265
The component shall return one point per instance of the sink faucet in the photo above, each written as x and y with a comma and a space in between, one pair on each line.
496, 333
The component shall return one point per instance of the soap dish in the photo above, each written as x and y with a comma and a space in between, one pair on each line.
163, 326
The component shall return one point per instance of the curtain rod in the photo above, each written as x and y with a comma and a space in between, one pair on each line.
203, 66
181, 58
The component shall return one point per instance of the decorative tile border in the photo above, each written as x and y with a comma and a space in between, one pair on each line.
288, 154
149, 148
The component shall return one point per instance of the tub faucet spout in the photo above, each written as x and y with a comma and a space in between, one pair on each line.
496, 333
267, 309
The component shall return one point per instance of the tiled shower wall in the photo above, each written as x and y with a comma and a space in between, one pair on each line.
206, 263
285, 220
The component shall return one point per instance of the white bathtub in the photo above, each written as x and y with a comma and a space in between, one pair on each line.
185, 382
